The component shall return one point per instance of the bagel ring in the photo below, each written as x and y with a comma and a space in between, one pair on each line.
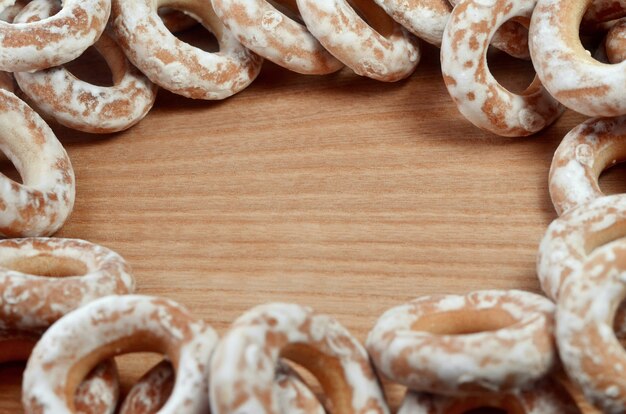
546, 397
427, 20
243, 366
43, 279
477, 94
111, 326
150, 393
581, 157
384, 51
58, 94
272, 34
615, 43
54, 41
176, 65
573, 236
483, 342
566, 69
590, 351
40, 206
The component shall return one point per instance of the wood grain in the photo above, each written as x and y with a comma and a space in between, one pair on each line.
338, 192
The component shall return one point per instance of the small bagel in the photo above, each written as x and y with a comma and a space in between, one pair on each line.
591, 353
243, 367
43, 279
546, 397
40, 206
483, 342
58, 94
274, 35
178, 66
567, 70
384, 51
615, 43
580, 159
111, 326
477, 94
54, 41
573, 236
151, 392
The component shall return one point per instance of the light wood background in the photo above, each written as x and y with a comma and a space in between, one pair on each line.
337, 192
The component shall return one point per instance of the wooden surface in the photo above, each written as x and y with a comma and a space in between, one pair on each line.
337, 192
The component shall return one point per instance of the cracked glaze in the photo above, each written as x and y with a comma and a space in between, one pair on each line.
54, 41
477, 94
581, 157
486, 341
270, 33
34, 283
386, 53
111, 326
80, 105
567, 70
41, 205
591, 353
243, 368
545, 397
176, 65
573, 236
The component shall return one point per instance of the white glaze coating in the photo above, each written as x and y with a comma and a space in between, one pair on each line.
55, 40
571, 237
567, 70
270, 33
546, 397
589, 348
441, 357
111, 326
387, 57
584, 153
615, 43
40, 206
243, 368
58, 94
152, 390
477, 94
30, 301
178, 66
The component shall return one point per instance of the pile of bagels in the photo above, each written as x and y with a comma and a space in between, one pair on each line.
68, 306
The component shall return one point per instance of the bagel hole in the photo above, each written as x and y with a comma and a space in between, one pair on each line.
374, 15
488, 404
464, 322
132, 367
47, 266
515, 75
9, 170
197, 36
308, 378
92, 68
289, 8
612, 180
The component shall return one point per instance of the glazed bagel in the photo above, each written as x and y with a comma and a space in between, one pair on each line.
275, 36
615, 43
384, 51
546, 397
112, 326
151, 392
584, 153
483, 101
243, 367
99, 392
567, 70
586, 310
178, 66
59, 95
483, 342
573, 236
54, 41
40, 206
43, 279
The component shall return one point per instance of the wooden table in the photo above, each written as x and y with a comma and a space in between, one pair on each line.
338, 192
